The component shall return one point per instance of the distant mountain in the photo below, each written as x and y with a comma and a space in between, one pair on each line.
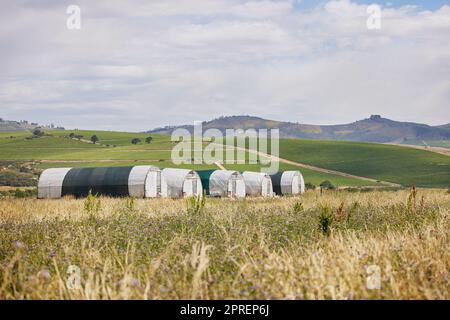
13, 126
373, 129
445, 126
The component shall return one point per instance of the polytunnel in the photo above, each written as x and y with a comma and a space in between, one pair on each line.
51, 183
223, 183
258, 184
177, 183
288, 183
137, 181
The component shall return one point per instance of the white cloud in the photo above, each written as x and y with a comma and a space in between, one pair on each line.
139, 64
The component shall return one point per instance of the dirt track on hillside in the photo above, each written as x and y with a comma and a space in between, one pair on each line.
440, 150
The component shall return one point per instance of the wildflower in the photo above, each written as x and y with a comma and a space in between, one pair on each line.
44, 274
135, 283
18, 244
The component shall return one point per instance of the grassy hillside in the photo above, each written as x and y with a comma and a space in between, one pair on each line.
57, 150
384, 162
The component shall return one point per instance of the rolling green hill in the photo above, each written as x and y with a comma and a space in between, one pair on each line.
381, 162
384, 162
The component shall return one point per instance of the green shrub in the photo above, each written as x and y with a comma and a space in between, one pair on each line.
19, 193
196, 204
14, 178
310, 186
298, 207
327, 185
92, 204
130, 204
325, 221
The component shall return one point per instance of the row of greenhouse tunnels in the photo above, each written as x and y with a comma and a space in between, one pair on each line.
153, 182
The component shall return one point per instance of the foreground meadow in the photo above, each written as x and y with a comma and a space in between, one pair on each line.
328, 246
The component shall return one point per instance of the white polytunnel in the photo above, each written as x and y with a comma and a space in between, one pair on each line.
51, 183
258, 184
144, 182
137, 181
288, 183
223, 183
178, 183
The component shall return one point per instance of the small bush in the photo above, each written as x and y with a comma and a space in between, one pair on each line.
411, 203
325, 221
327, 185
19, 193
298, 207
196, 204
130, 204
136, 141
14, 178
310, 186
92, 204
37, 133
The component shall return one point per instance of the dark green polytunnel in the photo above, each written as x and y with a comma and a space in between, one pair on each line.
106, 181
205, 175
288, 183
276, 183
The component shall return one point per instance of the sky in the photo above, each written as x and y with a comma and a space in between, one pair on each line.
136, 65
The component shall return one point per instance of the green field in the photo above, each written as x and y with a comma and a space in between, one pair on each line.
381, 162
384, 162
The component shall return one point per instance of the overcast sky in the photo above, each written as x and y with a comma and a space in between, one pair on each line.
136, 65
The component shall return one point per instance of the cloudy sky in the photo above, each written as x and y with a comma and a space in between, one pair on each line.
136, 65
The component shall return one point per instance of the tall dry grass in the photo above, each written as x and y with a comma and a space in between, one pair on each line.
311, 247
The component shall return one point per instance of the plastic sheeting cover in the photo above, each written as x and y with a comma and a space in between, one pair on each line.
51, 182
258, 184
107, 181
288, 182
220, 180
205, 176
174, 183
137, 180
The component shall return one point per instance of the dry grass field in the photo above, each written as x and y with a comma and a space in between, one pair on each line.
311, 247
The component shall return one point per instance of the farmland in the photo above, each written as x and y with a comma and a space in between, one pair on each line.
318, 246
376, 161
384, 162
115, 149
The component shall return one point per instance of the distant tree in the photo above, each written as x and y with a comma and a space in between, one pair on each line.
78, 136
37, 133
148, 140
71, 135
136, 141
327, 185
310, 186
94, 139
